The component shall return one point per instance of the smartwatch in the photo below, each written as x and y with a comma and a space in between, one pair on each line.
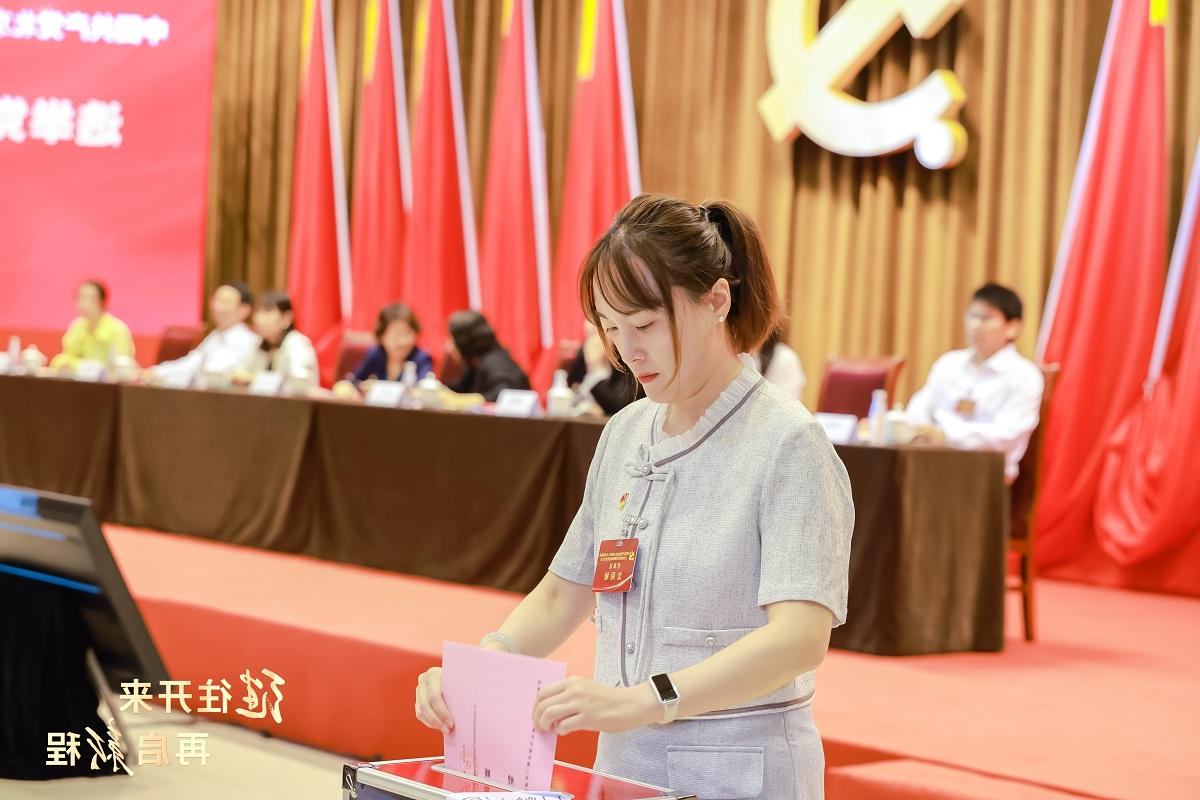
668, 696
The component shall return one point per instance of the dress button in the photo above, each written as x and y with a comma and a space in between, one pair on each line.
710, 640
642, 524
629, 648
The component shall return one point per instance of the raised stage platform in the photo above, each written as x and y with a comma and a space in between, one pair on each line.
1104, 705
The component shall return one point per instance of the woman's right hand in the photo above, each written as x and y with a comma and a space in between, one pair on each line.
431, 706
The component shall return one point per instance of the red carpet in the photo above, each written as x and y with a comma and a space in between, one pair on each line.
1105, 705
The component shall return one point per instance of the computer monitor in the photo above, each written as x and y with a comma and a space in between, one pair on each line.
55, 539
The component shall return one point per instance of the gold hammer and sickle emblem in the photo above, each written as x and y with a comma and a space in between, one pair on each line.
810, 76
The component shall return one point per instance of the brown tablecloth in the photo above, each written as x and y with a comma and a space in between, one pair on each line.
57, 436
928, 556
460, 497
475, 499
215, 464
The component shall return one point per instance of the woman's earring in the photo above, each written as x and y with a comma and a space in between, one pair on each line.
720, 319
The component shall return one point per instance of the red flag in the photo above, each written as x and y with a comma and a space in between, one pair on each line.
603, 173
1104, 296
515, 245
1148, 501
441, 273
382, 168
319, 245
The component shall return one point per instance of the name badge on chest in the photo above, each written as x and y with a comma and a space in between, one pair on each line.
614, 565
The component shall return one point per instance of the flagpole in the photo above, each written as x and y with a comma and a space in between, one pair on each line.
1184, 242
1083, 171
400, 95
341, 214
466, 202
537, 174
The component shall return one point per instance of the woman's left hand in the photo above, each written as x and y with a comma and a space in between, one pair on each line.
579, 704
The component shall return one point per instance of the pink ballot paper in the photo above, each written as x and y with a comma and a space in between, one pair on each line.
491, 696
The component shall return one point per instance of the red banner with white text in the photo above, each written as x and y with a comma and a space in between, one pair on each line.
104, 143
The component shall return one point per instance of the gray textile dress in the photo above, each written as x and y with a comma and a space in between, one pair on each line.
750, 507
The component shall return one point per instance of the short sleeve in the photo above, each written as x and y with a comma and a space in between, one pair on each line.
575, 560
805, 521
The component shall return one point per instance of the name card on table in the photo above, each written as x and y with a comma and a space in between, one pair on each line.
89, 371
5, 363
386, 394
267, 383
840, 428
518, 403
178, 380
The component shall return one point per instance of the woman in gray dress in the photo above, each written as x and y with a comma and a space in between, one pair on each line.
720, 518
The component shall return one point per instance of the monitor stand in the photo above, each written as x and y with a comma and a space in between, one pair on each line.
45, 685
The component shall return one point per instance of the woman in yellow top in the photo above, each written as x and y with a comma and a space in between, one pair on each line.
95, 334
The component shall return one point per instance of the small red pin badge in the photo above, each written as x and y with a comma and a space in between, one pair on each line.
624, 497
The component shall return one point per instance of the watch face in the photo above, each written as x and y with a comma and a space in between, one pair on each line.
665, 689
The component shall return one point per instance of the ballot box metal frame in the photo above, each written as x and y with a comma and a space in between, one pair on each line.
359, 775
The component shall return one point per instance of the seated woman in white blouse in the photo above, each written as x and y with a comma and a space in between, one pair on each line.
284, 349
780, 365
723, 517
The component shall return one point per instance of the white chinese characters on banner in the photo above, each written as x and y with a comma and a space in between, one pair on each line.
52, 120
99, 124
13, 111
95, 123
53, 25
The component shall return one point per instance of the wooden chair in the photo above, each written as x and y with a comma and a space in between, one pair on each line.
355, 346
177, 341
848, 382
1024, 499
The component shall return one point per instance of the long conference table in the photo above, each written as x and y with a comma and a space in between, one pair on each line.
475, 499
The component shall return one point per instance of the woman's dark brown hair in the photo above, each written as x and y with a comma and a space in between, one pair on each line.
276, 300
392, 313
685, 246
473, 335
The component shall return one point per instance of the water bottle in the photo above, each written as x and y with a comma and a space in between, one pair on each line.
14, 354
408, 378
877, 416
560, 399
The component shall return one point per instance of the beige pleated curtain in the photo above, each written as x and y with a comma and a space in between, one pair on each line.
875, 255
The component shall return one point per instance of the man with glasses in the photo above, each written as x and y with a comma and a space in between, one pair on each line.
987, 396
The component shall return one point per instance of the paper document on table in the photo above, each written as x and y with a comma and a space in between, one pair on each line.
491, 696
507, 796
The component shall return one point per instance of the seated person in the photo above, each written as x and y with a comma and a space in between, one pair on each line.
228, 347
780, 364
95, 335
987, 396
592, 375
488, 366
396, 331
284, 349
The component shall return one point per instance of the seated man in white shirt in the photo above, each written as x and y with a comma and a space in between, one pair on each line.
987, 396
230, 345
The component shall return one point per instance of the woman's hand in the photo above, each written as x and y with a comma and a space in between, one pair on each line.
579, 704
431, 706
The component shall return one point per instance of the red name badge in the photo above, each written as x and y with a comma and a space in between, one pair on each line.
614, 565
